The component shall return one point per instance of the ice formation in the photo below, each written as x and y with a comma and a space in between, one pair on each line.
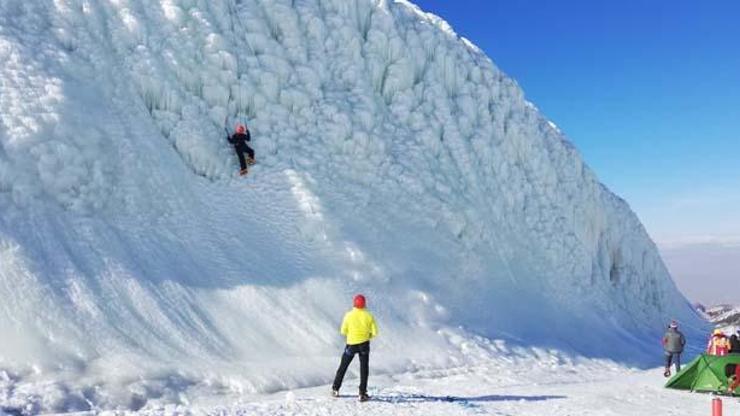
395, 159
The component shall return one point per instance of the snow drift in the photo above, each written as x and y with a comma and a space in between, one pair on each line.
395, 159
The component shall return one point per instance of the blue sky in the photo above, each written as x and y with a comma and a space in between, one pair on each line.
649, 92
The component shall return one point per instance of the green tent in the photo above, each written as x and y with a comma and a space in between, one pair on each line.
707, 373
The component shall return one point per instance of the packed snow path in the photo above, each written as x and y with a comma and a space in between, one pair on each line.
615, 393
394, 159
583, 390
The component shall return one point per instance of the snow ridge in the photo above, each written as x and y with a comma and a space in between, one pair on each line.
394, 159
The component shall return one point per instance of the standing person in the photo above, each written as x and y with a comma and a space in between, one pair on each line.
359, 327
239, 139
735, 343
673, 343
735, 380
718, 343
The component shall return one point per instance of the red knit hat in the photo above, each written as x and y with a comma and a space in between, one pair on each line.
240, 128
359, 302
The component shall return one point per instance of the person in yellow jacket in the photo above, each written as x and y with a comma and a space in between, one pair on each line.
359, 327
718, 344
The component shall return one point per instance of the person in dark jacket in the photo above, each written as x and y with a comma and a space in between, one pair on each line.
239, 139
735, 343
673, 343
734, 380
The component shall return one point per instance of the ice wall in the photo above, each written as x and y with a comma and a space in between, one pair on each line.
394, 159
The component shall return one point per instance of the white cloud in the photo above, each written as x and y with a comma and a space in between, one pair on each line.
699, 240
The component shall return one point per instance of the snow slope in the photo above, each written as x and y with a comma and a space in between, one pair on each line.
394, 159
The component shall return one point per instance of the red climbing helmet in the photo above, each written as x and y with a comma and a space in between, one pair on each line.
359, 302
240, 128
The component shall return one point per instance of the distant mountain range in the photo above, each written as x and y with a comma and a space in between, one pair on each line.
722, 315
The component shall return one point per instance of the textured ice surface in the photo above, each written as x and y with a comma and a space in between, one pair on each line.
395, 159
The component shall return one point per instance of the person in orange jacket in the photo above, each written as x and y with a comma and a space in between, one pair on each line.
718, 344
359, 327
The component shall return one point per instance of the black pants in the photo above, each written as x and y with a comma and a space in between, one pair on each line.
240, 150
674, 357
349, 353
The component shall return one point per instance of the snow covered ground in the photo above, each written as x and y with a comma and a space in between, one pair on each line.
514, 382
486, 390
395, 159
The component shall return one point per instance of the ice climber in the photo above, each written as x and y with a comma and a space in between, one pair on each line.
239, 139
718, 343
673, 343
359, 327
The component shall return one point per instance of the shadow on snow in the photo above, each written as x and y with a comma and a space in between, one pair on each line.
422, 398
